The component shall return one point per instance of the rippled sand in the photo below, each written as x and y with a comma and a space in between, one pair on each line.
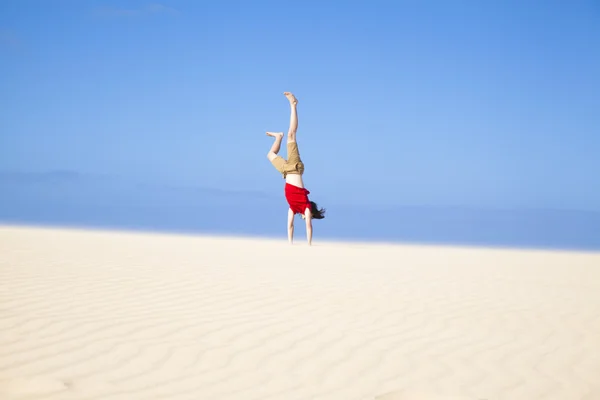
109, 315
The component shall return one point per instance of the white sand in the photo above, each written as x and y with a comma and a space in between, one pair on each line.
104, 315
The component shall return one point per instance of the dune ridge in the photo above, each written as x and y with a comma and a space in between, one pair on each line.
121, 315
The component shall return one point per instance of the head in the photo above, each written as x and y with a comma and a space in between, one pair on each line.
317, 213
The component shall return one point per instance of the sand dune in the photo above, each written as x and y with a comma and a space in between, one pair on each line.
109, 315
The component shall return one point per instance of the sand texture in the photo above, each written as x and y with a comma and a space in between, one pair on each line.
128, 316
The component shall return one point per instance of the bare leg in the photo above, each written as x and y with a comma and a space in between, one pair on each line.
276, 144
293, 117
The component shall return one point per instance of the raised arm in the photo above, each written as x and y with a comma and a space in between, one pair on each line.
308, 219
290, 226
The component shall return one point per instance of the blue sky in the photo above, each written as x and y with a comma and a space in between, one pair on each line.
486, 104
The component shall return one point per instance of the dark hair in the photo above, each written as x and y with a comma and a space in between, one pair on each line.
317, 213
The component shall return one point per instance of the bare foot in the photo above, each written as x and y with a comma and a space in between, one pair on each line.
275, 134
291, 97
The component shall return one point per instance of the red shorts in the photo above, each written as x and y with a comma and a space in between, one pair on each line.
297, 198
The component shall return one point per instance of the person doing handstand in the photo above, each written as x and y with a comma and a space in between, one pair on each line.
292, 170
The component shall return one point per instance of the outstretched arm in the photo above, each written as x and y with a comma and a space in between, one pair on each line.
308, 218
290, 226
